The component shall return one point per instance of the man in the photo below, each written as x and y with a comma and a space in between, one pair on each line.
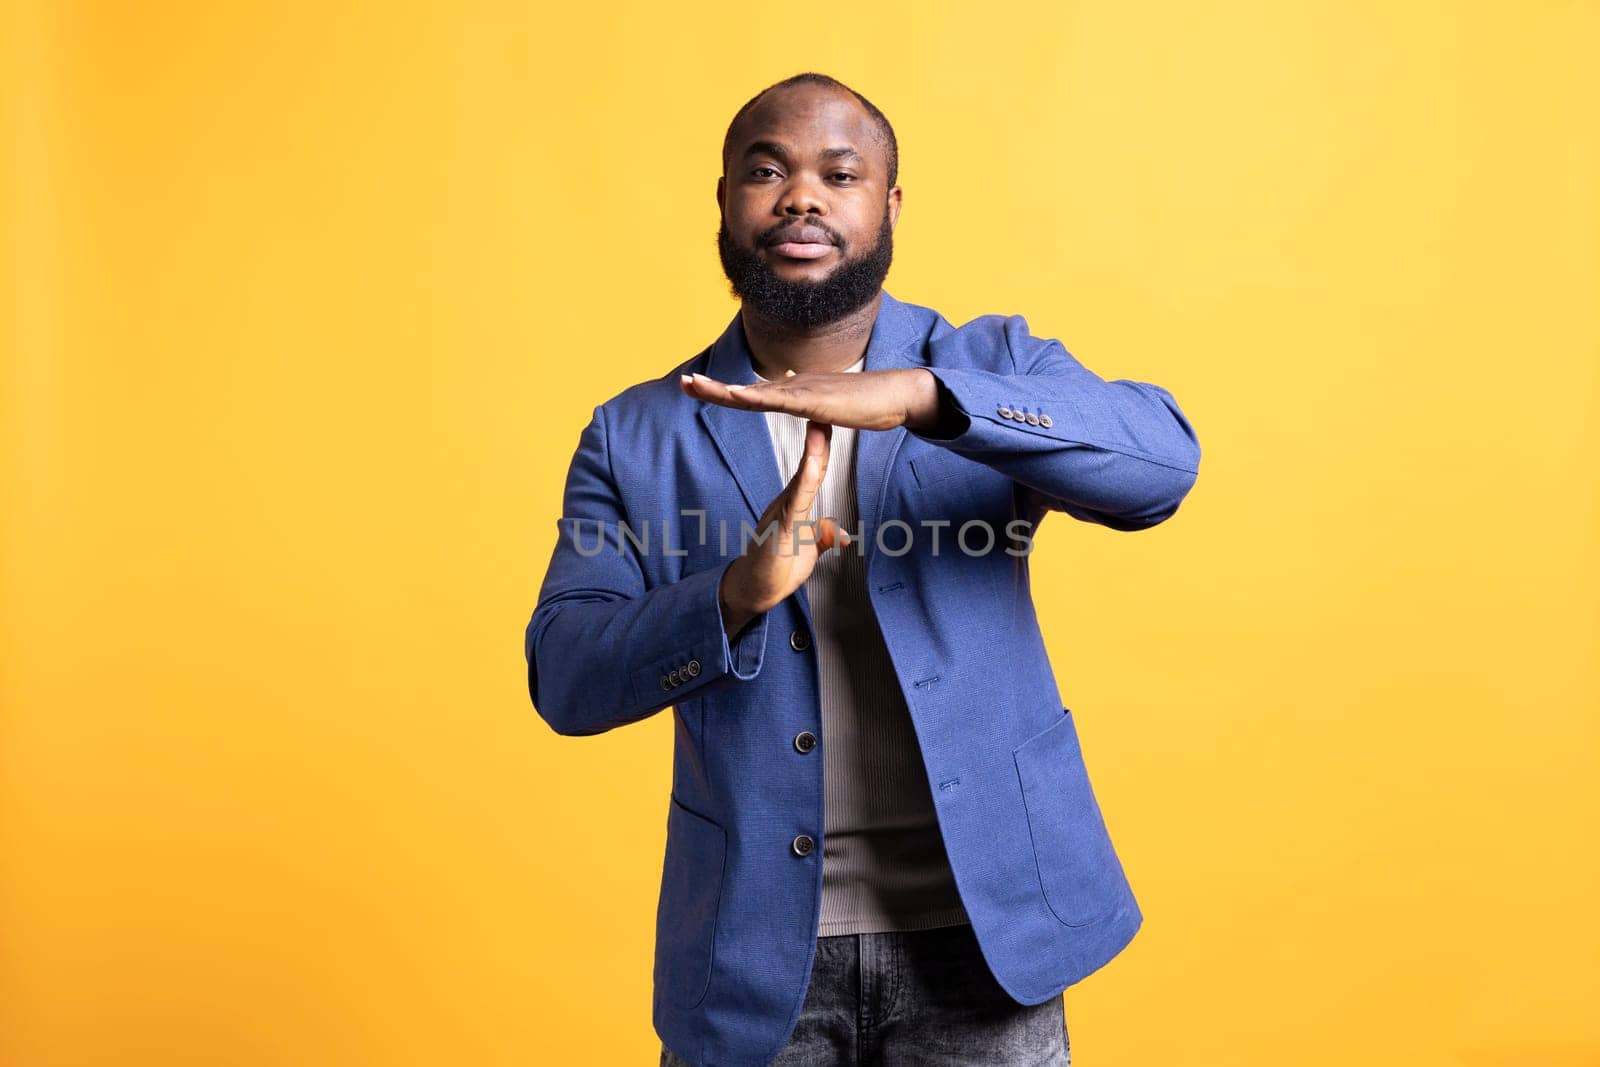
811, 541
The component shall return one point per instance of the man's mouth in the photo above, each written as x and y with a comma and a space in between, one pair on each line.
803, 242
803, 249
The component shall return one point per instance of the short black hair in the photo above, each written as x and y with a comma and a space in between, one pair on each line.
890, 144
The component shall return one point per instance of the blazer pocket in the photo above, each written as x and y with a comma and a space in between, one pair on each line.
939, 464
686, 910
1079, 872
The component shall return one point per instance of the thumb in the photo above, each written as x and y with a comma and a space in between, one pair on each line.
830, 534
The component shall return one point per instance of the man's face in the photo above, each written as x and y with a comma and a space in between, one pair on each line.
807, 230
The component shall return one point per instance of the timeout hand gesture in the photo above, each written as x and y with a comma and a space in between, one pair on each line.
865, 400
770, 570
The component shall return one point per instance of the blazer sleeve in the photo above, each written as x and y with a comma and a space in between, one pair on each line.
602, 649
1119, 453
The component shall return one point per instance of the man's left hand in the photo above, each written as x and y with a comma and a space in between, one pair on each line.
863, 400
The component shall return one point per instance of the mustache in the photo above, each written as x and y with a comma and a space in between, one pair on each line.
786, 232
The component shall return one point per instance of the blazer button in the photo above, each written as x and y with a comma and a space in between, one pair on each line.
1005, 412
666, 683
803, 845
1033, 420
694, 668
674, 677
799, 640
805, 741
1044, 420
1019, 416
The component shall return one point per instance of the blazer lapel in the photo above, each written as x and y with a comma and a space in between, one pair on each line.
741, 436
891, 346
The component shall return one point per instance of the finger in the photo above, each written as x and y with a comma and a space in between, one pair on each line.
782, 394
808, 479
795, 502
819, 437
706, 388
820, 442
803, 492
760, 393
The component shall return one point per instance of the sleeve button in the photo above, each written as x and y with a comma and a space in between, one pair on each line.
1044, 420
1033, 420
694, 668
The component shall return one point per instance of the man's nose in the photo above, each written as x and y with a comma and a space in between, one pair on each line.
803, 197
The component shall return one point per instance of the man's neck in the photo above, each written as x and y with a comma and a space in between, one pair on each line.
776, 349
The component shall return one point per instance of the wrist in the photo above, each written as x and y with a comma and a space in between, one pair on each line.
735, 615
923, 409
933, 411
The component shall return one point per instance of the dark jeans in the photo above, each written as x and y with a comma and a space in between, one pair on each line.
921, 997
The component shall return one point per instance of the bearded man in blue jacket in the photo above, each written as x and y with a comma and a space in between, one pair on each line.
811, 541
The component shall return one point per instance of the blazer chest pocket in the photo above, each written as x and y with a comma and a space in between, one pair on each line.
686, 911
1079, 872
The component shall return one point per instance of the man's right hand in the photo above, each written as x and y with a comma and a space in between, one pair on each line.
769, 571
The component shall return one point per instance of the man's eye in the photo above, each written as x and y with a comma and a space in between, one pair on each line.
758, 170
842, 174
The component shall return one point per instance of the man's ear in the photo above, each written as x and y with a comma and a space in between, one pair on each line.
722, 188
894, 207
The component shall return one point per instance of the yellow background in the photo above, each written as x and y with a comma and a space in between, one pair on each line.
308, 303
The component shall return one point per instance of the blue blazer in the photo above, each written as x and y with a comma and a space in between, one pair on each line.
628, 623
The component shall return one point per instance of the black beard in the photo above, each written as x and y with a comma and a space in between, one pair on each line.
807, 304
